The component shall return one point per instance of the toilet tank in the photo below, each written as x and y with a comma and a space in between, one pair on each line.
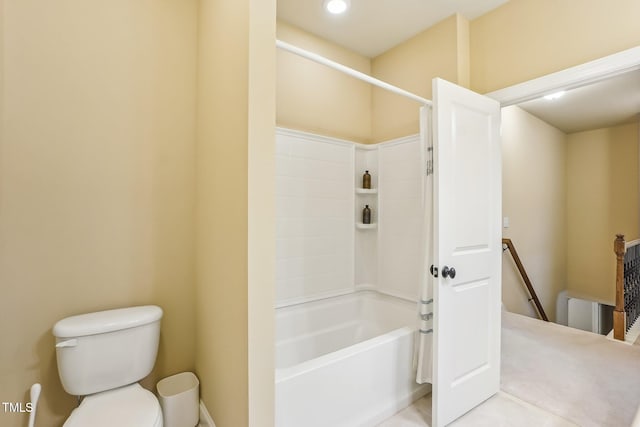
107, 349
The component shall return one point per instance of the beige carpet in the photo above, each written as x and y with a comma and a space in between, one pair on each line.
582, 377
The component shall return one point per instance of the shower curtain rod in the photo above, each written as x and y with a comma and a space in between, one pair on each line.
350, 71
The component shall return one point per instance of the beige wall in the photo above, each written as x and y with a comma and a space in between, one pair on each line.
534, 198
602, 170
524, 39
262, 221
314, 98
440, 51
235, 219
96, 179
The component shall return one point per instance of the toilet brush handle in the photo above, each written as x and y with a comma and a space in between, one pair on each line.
35, 395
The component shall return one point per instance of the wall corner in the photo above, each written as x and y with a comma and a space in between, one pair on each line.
463, 51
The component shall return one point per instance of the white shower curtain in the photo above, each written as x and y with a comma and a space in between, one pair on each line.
424, 372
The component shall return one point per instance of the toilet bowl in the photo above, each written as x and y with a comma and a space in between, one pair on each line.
129, 406
102, 356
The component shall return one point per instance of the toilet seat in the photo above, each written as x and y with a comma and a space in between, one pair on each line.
129, 406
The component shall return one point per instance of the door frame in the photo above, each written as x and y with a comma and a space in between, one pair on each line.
570, 78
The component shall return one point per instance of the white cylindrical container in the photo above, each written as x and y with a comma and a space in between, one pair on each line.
179, 399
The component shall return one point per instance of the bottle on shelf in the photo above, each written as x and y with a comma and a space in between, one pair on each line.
366, 215
366, 180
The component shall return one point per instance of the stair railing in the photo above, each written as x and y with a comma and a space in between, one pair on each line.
627, 308
508, 245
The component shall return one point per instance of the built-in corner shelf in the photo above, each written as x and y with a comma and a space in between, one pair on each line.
361, 226
366, 191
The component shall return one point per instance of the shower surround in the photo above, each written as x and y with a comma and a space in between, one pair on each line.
347, 292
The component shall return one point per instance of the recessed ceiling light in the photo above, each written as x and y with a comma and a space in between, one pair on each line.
336, 7
554, 96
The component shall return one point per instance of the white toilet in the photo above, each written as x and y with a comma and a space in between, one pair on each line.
102, 356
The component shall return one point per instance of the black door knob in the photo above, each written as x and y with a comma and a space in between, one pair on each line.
448, 272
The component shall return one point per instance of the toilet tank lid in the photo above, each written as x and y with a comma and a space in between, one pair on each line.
106, 321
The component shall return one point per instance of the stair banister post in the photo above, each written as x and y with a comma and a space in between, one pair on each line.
618, 312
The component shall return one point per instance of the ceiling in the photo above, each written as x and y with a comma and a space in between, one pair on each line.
606, 103
372, 27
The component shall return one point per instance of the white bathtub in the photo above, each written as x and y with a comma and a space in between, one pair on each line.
345, 361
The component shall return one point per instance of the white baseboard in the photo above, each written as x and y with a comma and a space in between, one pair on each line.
205, 417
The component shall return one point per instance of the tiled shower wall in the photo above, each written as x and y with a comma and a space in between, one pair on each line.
319, 251
314, 217
401, 235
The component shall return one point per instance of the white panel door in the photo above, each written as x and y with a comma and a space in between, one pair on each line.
467, 240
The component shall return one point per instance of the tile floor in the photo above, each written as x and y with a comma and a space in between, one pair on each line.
502, 410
